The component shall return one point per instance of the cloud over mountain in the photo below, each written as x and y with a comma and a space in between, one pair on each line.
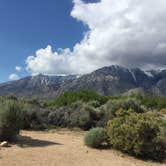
131, 33
13, 77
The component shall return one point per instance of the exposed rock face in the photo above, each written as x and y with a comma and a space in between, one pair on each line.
107, 81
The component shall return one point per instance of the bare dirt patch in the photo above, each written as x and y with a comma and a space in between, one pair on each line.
62, 148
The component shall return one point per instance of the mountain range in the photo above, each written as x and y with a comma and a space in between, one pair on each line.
110, 80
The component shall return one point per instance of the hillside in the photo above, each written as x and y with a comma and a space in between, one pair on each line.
106, 81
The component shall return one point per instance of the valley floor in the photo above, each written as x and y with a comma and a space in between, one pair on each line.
62, 148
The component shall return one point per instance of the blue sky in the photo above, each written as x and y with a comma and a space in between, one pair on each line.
60, 37
27, 25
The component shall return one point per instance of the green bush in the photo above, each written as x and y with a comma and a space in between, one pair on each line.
68, 98
80, 119
163, 131
82, 116
59, 117
35, 117
163, 111
118, 107
122, 112
137, 134
154, 102
77, 115
11, 118
126, 104
95, 137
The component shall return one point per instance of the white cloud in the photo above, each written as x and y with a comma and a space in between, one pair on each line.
18, 68
13, 77
48, 62
131, 33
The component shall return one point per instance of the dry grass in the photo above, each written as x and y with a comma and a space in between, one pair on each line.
62, 148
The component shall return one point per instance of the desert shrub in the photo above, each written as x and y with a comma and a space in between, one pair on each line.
59, 117
104, 116
163, 131
122, 112
79, 115
80, 118
149, 101
95, 137
118, 107
137, 134
94, 103
35, 118
11, 118
11, 97
154, 102
126, 104
33, 101
163, 111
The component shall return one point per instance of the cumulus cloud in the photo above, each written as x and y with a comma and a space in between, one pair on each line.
13, 77
131, 33
18, 68
48, 62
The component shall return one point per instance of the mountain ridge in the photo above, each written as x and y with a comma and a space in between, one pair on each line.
110, 80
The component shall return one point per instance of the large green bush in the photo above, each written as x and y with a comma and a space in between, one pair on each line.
154, 102
95, 137
149, 101
137, 134
59, 117
77, 115
11, 118
82, 116
118, 107
35, 117
71, 97
126, 104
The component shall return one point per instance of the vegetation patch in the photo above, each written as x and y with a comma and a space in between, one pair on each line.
134, 124
69, 98
95, 137
11, 119
137, 134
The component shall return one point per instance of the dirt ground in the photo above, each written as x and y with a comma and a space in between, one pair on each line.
62, 148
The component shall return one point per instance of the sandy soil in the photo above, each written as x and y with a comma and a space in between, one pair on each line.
62, 148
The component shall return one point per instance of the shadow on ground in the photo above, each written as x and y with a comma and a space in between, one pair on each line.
25, 142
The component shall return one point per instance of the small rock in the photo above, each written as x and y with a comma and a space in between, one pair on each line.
4, 144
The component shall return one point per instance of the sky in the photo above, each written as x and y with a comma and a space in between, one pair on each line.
61, 37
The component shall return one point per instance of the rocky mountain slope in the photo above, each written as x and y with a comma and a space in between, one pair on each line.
107, 81
37, 86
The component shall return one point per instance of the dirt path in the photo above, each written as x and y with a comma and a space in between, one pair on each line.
62, 148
